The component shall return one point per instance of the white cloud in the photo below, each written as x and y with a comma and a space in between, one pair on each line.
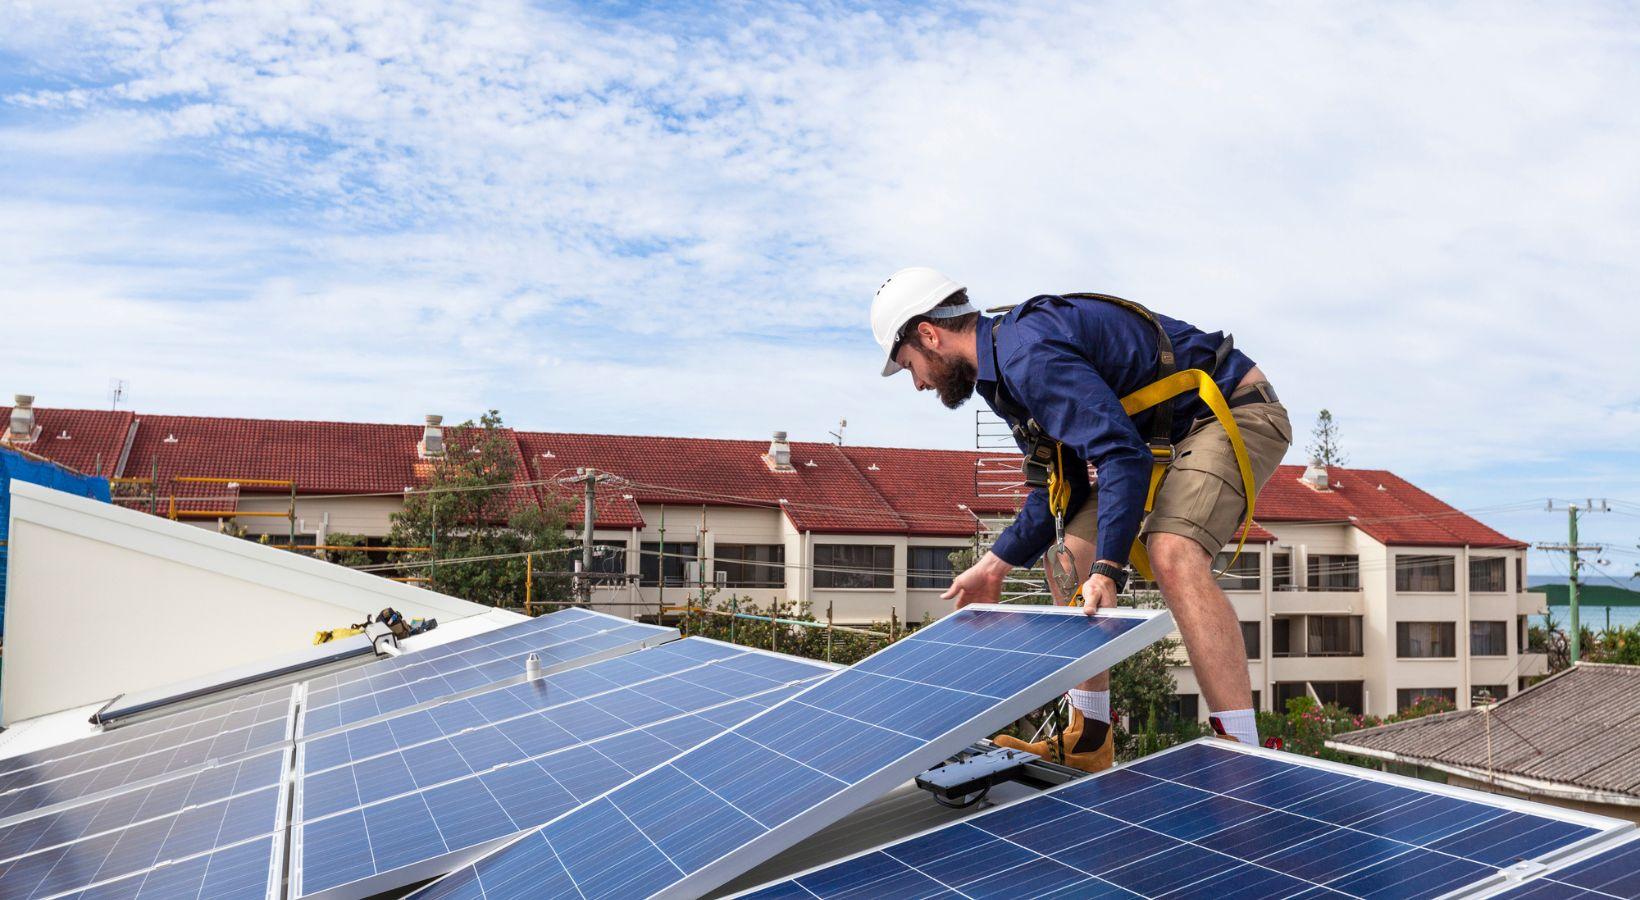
1422, 218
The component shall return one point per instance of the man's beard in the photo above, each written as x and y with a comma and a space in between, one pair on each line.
953, 378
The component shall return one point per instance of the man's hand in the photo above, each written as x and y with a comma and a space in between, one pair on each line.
980, 583
1098, 592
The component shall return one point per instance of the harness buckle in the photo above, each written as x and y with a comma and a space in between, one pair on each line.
1161, 451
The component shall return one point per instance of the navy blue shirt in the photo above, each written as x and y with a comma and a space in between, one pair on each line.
1067, 362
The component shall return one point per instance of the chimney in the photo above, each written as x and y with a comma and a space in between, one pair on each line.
779, 457
1315, 474
23, 429
432, 438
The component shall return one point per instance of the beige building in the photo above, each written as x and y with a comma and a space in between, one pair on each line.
1355, 587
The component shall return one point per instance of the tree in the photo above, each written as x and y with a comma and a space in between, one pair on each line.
1324, 441
468, 507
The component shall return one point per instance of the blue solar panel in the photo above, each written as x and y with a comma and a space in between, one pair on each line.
1609, 873
689, 825
129, 808
148, 736
405, 798
1216, 821
87, 776
132, 837
240, 872
561, 639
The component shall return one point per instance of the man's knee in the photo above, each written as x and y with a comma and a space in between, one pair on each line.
1174, 556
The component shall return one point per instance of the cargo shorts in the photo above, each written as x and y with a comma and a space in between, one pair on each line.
1201, 495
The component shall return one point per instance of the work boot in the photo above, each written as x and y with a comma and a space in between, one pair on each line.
1091, 759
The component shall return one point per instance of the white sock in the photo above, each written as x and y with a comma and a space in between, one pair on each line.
1092, 704
1240, 724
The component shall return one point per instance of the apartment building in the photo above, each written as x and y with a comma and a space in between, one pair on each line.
1354, 587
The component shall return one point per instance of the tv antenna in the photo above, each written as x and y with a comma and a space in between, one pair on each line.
118, 390
838, 434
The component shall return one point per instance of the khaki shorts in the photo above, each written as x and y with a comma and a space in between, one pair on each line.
1201, 495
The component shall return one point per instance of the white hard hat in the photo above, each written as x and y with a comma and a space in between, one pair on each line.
907, 294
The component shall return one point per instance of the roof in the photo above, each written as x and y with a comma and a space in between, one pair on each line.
829, 489
1579, 730
1388, 508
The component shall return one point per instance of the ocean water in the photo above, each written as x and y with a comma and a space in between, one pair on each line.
1594, 618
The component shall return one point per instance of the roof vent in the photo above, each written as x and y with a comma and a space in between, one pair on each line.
432, 438
549, 455
812, 464
779, 457
64, 435
170, 439
874, 468
1382, 488
23, 429
1315, 474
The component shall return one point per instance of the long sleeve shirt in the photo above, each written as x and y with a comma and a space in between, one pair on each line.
1067, 362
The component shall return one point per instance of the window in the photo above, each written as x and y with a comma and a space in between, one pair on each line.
1249, 639
1256, 706
608, 557
1520, 572
1488, 638
853, 566
677, 558
1281, 637
1334, 572
1334, 636
1424, 574
1242, 575
1425, 640
1521, 631
1406, 697
751, 565
1184, 708
1288, 690
1281, 571
1345, 694
1488, 693
1488, 573
930, 567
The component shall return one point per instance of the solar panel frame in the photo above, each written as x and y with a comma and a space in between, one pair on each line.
1147, 627
438, 864
1607, 829
1592, 874
430, 671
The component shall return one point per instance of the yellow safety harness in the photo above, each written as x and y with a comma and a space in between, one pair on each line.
1159, 395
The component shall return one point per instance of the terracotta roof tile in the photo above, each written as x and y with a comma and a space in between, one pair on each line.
832, 489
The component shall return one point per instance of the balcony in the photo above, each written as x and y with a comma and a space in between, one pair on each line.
1533, 664
1317, 668
1528, 603
1305, 602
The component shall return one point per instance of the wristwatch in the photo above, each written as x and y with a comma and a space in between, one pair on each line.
1117, 574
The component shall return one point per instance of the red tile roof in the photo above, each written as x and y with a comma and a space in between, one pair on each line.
1385, 506
830, 488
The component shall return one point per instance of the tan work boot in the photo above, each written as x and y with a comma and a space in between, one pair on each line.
1093, 761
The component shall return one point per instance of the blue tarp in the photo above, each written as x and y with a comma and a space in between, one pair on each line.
14, 465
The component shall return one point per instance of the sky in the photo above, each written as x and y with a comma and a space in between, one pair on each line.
670, 219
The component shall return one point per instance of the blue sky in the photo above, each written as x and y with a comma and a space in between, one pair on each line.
670, 219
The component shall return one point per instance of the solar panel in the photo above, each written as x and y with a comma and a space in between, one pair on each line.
562, 639
392, 803
227, 844
85, 776
690, 824
158, 733
1214, 820
1600, 875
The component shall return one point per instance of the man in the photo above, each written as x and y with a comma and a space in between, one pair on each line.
1055, 367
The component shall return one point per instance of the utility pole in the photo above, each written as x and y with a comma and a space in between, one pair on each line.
1574, 566
588, 477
